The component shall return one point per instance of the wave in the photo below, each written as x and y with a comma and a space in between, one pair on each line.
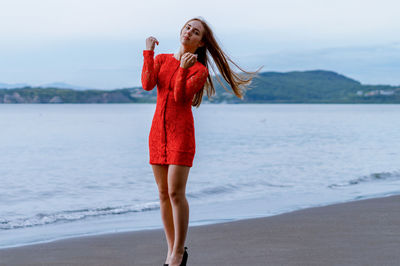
67, 216
231, 188
384, 176
74, 215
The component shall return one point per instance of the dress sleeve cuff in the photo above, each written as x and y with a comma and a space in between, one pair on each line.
183, 71
148, 53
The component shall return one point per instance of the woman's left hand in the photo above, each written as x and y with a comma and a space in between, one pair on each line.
188, 60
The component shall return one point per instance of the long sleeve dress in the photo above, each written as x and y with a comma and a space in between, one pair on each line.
172, 136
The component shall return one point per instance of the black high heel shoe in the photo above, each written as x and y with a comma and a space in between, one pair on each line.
184, 258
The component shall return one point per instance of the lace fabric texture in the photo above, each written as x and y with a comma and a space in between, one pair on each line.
172, 135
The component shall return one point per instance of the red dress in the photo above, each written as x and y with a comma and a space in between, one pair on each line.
172, 137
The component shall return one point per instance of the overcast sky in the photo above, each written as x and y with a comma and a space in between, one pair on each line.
99, 43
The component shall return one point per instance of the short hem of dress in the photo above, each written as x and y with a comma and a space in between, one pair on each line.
176, 157
168, 163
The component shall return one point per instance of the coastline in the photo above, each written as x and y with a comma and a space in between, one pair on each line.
362, 232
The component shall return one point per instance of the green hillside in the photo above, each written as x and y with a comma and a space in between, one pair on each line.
317, 86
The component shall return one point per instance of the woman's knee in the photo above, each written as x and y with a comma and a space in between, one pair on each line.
176, 195
163, 194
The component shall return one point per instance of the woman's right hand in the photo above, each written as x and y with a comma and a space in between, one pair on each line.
150, 43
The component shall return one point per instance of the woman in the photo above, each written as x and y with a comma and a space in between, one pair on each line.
181, 79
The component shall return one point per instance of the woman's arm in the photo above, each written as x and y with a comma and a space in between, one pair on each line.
150, 70
185, 88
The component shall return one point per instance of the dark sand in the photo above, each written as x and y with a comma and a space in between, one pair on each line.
365, 232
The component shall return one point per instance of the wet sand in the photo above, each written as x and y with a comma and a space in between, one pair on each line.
364, 232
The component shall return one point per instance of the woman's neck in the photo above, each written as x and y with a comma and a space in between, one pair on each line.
183, 50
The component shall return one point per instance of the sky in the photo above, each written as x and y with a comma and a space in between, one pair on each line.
99, 43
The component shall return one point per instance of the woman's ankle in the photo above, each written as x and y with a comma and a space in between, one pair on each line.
179, 250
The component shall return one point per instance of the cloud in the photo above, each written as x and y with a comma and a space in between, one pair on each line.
71, 19
98, 43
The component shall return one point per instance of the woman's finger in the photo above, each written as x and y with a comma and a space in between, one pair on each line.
189, 56
154, 39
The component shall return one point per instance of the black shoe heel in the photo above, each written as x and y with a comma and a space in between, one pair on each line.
184, 258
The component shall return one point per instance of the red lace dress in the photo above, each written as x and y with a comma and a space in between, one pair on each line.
172, 137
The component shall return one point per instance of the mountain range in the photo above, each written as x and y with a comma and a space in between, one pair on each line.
315, 86
60, 85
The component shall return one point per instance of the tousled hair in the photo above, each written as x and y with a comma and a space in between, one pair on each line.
237, 82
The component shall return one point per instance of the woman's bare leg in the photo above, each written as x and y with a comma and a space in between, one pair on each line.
177, 179
161, 176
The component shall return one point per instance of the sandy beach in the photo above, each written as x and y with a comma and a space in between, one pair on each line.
364, 232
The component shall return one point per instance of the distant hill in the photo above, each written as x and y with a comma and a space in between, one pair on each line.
299, 86
62, 85
12, 86
58, 85
317, 86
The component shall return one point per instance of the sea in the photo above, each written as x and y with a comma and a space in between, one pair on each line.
69, 170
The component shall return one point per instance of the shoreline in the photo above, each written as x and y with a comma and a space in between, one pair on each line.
360, 232
142, 223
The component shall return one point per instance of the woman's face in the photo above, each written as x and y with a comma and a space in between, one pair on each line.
192, 33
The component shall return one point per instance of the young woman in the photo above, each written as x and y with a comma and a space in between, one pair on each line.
181, 79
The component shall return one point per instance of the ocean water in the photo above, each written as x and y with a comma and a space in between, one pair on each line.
74, 170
